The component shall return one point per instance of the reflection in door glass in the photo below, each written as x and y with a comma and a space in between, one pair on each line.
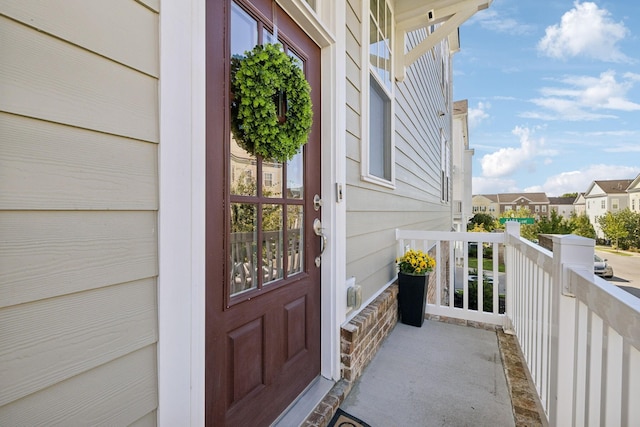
244, 238
272, 256
267, 37
243, 171
295, 239
244, 31
271, 179
295, 182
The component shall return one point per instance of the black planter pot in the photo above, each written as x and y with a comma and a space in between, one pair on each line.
412, 298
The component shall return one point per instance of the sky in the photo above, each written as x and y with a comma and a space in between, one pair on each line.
554, 94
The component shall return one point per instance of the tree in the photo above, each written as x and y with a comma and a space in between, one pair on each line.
526, 230
486, 221
613, 227
631, 221
555, 224
574, 195
581, 226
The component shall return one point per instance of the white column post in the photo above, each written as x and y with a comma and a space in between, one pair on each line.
569, 251
512, 229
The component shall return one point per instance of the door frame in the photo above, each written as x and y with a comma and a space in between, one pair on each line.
181, 216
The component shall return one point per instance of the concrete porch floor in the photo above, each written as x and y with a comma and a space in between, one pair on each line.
441, 374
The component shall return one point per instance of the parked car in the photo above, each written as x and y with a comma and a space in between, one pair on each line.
601, 268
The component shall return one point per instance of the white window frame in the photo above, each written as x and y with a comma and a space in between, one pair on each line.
368, 72
268, 179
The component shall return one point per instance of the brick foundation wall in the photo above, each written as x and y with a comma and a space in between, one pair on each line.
360, 339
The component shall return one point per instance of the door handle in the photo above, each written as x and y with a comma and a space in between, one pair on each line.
317, 229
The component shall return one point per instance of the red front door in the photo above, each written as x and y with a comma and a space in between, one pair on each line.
263, 287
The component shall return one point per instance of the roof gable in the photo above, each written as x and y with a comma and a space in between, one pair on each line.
506, 198
614, 186
561, 200
634, 187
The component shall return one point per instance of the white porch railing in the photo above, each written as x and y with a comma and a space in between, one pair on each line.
580, 335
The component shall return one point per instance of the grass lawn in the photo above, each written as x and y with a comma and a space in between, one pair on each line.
487, 264
610, 250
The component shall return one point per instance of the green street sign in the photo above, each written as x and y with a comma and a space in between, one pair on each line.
520, 220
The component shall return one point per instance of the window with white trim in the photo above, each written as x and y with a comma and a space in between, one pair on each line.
378, 159
603, 204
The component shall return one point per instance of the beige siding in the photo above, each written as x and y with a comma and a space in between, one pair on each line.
132, 29
115, 394
38, 354
375, 211
46, 78
78, 212
44, 165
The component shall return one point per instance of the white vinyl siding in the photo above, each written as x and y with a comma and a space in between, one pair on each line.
79, 137
373, 211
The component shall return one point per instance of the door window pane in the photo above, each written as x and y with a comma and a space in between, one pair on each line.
244, 238
271, 179
272, 256
295, 239
243, 172
244, 31
295, 182
244, 36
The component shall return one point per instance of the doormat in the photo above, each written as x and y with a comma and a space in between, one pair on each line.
342, 419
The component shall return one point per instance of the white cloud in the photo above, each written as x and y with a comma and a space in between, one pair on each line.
492, 20
508, 160
588, 31
583, 96
625, 148
478, 114
483, 185
579, 181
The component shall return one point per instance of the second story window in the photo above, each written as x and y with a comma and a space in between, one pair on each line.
378, 147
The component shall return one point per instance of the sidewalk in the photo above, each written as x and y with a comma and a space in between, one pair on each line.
437, 375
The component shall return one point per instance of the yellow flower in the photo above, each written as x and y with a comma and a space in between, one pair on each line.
415, 262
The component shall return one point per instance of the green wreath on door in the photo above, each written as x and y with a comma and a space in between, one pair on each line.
264, 81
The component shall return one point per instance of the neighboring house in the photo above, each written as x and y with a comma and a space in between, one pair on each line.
580, 205
462, 167
634, 194
537, 203
130, 291
606, 196
486, 204
562, 205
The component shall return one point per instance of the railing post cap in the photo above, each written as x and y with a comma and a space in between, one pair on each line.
573, 240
